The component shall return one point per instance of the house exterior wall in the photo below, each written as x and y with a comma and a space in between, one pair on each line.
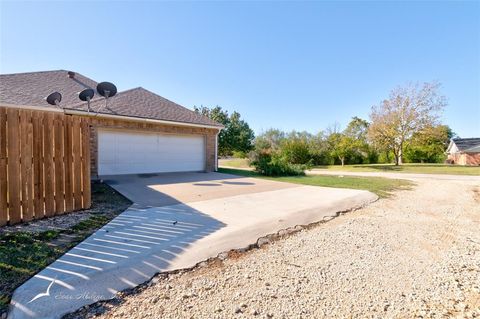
98, 123
465, 158
450, 158
472, 159
456, 158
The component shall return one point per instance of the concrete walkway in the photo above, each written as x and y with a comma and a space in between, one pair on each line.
409, 176
189, 223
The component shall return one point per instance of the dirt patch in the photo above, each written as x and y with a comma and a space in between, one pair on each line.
476, 194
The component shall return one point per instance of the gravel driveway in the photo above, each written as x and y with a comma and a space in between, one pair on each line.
416, 254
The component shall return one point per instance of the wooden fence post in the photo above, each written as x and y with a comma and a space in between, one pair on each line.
14, 186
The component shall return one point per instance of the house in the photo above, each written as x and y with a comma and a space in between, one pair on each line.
464, 151
134, 132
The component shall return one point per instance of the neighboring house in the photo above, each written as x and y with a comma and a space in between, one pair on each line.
464, 151
138, 131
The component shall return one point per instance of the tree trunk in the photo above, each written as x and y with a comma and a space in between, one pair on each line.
395, 156
400, 155
342, 159
397, 161
397, 153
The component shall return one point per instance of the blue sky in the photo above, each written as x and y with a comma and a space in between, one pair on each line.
287, 65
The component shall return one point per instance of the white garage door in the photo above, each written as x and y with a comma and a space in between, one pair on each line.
132, 152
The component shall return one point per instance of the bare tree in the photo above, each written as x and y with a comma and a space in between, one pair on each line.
408, 110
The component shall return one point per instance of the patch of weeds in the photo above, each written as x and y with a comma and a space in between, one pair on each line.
92, 223
23, 254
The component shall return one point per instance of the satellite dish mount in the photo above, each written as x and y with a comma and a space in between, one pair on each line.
107, 90
86, 95
54, 99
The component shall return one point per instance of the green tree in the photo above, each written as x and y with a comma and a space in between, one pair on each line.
341, 146
237, 134
362, 152
295, 148
429, 145
357, 129
270, 139
319, 149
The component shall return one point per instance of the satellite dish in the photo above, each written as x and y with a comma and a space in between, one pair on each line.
106, 89
86, 95
54, 99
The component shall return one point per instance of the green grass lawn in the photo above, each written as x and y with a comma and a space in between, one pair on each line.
234, 162
383, 187
407, 168
23, 254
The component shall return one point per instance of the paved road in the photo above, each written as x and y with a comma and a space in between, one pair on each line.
176, 221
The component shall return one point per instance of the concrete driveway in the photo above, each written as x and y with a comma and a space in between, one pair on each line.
180, 188
176, 221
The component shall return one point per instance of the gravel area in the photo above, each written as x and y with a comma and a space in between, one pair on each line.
415, 254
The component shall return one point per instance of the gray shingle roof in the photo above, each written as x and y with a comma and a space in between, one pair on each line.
466, 144
32, 88
142, 103
475, 149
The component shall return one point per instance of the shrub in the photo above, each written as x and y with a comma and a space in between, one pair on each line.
239, 154
271, 163
295, 151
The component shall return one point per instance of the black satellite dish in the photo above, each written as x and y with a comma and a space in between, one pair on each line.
86, 95
54, 99
106, 89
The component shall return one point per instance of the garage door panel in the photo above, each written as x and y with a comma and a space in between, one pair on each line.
129, 152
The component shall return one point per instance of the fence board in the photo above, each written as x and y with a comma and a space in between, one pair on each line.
86, 194
59, 177
14, 186
77, 165
48, 161
68, 164
23, 166
30, 171
26, 176
38, 183
3, 168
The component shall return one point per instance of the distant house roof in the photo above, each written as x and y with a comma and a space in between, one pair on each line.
475, 149
469, 145
31, 89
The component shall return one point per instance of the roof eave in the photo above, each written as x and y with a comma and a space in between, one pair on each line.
33, 107
140, 119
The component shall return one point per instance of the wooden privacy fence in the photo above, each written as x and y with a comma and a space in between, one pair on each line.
44, 164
